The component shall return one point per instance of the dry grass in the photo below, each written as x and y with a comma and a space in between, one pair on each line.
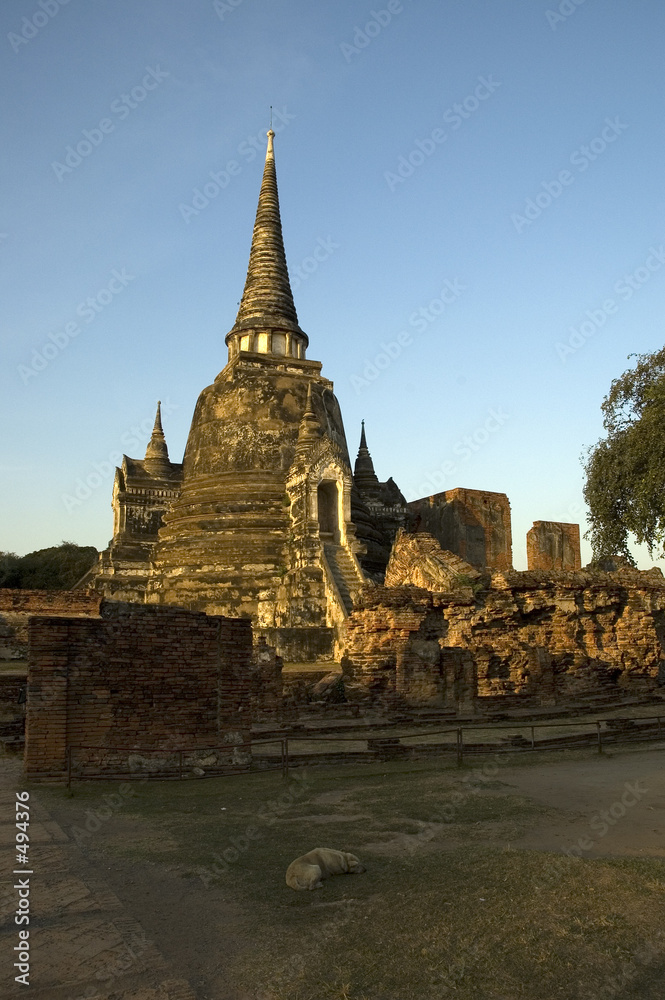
446, 908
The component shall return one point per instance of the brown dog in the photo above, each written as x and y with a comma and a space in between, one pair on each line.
309, 871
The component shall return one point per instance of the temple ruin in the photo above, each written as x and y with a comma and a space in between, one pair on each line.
265, 544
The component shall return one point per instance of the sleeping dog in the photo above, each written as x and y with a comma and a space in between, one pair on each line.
309, 871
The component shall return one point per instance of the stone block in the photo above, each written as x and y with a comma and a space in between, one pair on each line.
553, 545
474, 524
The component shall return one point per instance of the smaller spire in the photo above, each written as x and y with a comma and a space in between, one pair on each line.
363, 473
157, 426
310, 428
157, 453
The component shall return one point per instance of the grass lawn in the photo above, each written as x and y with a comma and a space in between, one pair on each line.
448, 906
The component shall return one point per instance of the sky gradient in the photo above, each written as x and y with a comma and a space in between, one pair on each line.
472, 203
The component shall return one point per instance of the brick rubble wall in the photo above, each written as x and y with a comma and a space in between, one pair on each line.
138, 678
541, 635
266, 686
11, 685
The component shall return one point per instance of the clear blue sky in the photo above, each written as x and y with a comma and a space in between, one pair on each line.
508, 220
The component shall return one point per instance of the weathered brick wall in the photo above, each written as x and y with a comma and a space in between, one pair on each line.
16, 607
544, 635
553, 545
474, 524
393, 644
266, 682
138, 678
12, 683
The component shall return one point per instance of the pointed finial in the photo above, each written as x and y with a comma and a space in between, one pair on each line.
271, 117
157, 454
267, 301
158, 418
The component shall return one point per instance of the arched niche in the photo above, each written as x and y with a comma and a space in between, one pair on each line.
327, 501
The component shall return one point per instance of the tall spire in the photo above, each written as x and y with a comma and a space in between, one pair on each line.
267, 302
157, 454
363, 473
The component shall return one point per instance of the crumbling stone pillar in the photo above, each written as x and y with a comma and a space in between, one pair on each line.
474, 524
553, 545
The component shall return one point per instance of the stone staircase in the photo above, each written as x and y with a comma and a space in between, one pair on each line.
343, 572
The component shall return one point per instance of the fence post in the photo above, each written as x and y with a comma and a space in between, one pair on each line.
69, 768
600, 738
460, 747
286, 758
533, 742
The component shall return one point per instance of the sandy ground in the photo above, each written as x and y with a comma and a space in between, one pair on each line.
138, 932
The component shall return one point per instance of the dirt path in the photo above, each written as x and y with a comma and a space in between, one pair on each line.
610, 805
84, 943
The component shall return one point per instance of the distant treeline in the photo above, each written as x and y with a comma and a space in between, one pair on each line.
57, 568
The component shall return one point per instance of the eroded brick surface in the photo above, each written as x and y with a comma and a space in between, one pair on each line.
474, 524
139, 677
553, 545
555, 635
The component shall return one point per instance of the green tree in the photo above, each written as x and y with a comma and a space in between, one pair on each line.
57, 568
10, 573
625, 470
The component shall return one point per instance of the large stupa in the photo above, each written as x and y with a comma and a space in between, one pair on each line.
264, 517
